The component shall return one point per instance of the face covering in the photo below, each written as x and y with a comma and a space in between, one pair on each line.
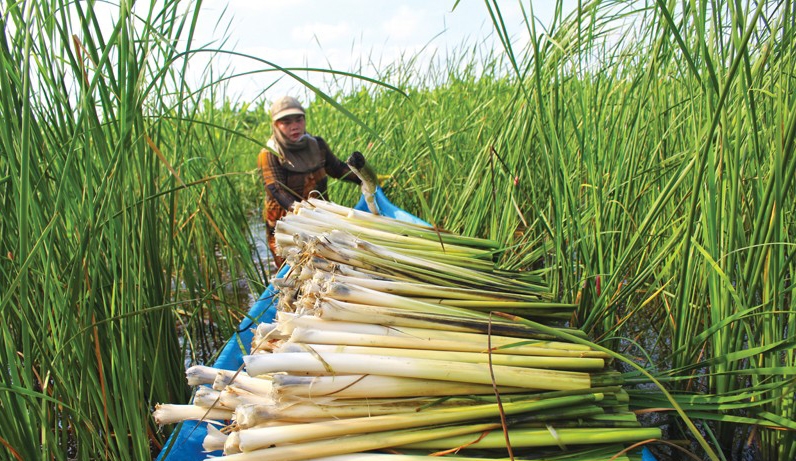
302, 156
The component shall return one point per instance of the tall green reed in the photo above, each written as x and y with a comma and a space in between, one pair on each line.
680, 109
111, 168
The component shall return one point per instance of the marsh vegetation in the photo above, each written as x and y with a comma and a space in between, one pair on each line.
640, 155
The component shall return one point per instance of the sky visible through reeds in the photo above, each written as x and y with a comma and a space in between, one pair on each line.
350, 35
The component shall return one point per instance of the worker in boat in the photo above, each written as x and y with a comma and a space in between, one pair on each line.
294, 164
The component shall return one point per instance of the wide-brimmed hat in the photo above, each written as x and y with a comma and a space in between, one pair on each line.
285, 106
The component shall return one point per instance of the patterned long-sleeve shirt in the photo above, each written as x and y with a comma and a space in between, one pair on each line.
284, 187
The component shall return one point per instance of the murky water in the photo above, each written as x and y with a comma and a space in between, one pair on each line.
239, 294
261, 254
261, 243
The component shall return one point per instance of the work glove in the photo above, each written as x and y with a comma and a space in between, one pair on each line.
356, 162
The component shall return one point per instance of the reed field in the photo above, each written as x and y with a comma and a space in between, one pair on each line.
638, 157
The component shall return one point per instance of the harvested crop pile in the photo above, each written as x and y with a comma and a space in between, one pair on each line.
387, 341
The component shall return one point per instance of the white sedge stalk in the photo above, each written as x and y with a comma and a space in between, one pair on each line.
479, 262
297, 224
550, 363
169, 413
360, 273
407, 341
293, 256
207, 397
286, 301
412, 403
343, 311
285, 283
477, 373
259, 415
342, 255
500, 341
369, 181
473, 262
322, 264
355, 444
425, 290
232, 397
346, 262
331, 207
451, 271
395, 269
364, 251
264, 329
305, 272
374, 221
399, 457
201, 374
284, 242
499, 305
214, 440
254, 439
346, 311
232, 444
289, 321
312, 287
243, 382
247, 416
358, 294
360, 386
299, 234
265, 335
609, 453
311, 411
527, 438
329, 222
254, 415
401, 227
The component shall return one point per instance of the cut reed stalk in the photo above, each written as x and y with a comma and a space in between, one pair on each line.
402, 227
168, 413
356, 443
357, 294
320, 222
358, 386
260, 438
288, 322
242, 382
409, 341
547, 437
558, 363
610, 453
214, 440
250, 415
335, 310
425, 290
477, 373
